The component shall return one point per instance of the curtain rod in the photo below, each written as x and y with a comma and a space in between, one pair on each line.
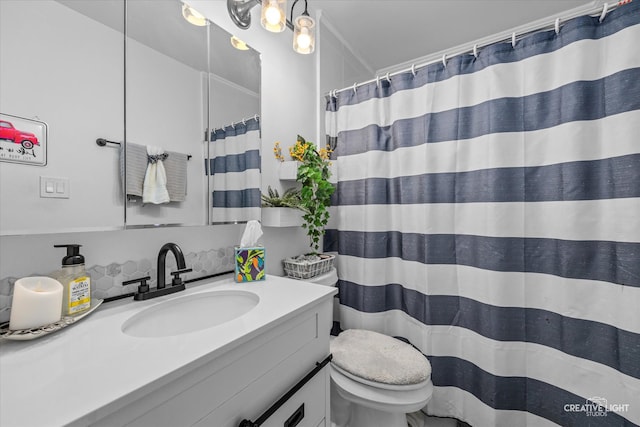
596, 7
255, 117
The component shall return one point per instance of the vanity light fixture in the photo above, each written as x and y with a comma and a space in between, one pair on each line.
238, 44
193, 16
304, 39
273, 18
240, 12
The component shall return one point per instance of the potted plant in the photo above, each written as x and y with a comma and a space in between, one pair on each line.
315, 198
289, 199
281, 210
316, 191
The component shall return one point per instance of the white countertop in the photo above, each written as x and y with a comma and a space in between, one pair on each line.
65, 377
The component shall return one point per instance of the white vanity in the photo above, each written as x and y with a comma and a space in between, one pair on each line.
93, 373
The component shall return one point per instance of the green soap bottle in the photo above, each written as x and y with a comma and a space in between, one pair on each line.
76, 282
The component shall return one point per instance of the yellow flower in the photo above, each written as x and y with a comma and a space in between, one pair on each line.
277, 152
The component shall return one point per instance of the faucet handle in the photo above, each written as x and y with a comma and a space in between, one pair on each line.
176, 276
143, 287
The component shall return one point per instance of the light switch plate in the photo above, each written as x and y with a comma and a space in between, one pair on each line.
54, 187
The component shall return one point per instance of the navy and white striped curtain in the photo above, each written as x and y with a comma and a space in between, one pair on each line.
235, 172
489, 212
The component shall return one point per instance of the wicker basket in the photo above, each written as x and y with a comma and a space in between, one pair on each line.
308, 269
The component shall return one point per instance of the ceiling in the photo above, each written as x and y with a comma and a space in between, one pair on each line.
380, 33
384, 33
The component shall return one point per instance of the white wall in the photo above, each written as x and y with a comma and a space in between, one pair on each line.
48, 72
245, 103
289, 107
339, 66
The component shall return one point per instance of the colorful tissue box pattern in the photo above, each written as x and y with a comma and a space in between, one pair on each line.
249, 264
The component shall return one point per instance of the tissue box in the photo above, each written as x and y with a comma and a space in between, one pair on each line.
249, 264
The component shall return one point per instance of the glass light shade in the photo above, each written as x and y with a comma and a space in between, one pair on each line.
304, 39
193, 16
274, 16
238, 44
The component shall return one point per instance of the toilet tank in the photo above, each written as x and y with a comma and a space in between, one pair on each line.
329, 278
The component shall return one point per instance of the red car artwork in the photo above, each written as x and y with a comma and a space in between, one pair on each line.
26, 139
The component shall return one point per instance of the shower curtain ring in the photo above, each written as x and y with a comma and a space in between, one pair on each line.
605, 9
388, 78
513, 40
444, 60
355, 88
475, 50
413, 69
377, 81
557, 26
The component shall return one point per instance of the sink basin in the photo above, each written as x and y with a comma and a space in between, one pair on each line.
190, 314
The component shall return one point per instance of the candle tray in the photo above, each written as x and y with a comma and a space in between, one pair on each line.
30, 334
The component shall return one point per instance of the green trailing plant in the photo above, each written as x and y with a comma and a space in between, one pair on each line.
289, 199
316, 191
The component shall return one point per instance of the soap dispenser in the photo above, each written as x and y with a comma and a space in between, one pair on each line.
76, 282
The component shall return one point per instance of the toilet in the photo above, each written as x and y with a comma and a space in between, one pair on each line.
376, 380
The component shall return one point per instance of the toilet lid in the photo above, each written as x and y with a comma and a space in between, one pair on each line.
379, 358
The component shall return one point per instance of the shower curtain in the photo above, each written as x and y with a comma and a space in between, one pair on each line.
488, 211
234, 172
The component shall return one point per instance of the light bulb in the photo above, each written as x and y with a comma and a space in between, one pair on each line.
304, 39
303, 35
272, 15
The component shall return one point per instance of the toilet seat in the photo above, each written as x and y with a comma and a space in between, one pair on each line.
382, 386
379, 358
402, 399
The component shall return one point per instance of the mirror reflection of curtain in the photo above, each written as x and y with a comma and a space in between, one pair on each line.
235, 172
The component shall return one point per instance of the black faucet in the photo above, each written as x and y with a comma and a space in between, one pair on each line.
177, 285
162, 256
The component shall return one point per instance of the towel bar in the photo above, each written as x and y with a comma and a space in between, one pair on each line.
103, 142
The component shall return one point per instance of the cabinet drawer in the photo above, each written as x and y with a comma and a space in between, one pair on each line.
311, 398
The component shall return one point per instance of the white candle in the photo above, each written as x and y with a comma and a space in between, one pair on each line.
37, 301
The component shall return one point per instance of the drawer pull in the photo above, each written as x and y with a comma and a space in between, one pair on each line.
295, 418
287, 396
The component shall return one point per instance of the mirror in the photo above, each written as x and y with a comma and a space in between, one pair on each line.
69, 90
166, 110
234, 149
61, 80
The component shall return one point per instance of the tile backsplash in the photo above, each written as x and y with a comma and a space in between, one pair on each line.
106, 280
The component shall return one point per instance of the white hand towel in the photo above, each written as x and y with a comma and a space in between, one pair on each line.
155, 179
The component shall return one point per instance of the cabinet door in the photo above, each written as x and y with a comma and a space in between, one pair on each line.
307, 408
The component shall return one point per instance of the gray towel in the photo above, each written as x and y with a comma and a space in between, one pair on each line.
175, 166
136, 168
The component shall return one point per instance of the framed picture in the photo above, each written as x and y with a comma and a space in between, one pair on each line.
23, 140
